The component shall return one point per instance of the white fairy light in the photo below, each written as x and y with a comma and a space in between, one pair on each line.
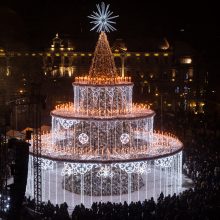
102, 19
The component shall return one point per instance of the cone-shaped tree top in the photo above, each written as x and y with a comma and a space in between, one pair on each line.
103, 64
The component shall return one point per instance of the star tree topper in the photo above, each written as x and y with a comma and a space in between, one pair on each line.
102, 19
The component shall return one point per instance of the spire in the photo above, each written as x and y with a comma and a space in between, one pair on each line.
103, 64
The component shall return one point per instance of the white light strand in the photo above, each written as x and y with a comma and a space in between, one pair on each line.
76, 168
47, 164
164, 162
105, 171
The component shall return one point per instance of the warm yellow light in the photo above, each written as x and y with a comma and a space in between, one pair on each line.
190, 80
21, 91
89, 54
137, 54
146, 54
75, 54
65, 54
166, 54
156, 94
156, 54
33, 54
82, 54
186, 60
48, 54
173, 80
117, 54
57, 54
128, 54
169, 105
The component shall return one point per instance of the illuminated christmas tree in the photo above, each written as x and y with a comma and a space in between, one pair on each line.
103, 64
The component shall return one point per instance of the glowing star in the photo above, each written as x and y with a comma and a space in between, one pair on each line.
102, 19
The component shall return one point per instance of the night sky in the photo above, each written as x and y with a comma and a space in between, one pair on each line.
32, 24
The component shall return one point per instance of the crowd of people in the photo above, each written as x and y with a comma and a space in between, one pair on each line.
200, 163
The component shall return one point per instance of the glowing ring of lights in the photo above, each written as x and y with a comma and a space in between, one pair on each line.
125, 138
83, 138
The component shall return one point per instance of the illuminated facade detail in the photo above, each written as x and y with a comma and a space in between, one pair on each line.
102, 19
103, 145
83, 138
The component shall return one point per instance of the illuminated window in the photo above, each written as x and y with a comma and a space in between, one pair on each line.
166, 54
177, 90
128, 54
117, 54
186, 60
156, 54
146, 54
173, 73
137, 54
191, 73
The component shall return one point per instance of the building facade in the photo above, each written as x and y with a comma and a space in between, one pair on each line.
166, 77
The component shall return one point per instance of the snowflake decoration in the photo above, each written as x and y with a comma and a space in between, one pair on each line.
102, 19
83, 138
124, 138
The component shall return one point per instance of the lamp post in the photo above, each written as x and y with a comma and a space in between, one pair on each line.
161, 112
161, 109
123, 53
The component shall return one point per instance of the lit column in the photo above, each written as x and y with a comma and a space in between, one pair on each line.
123, 53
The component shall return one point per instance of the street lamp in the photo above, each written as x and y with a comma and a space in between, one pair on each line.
123, 53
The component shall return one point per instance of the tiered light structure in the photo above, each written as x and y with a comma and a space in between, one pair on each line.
103, 147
